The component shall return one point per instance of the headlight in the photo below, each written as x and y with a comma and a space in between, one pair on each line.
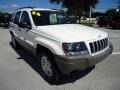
75, 49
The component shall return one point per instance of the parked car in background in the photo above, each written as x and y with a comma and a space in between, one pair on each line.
115, 23
104, 21
4, 20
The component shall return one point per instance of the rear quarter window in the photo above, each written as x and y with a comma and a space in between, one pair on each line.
12, 17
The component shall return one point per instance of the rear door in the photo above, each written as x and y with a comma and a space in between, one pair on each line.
14, 24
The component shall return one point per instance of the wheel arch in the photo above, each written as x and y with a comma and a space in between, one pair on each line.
52, 46
41, 48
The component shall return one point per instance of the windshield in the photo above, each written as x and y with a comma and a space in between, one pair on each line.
50, 18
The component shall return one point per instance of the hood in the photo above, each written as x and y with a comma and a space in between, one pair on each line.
71, 32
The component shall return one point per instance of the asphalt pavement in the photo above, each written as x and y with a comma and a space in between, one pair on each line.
19, 69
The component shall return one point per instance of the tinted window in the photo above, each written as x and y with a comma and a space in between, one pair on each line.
16, 20
25, 18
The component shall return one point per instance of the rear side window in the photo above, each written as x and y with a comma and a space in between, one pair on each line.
17, 16
12, 17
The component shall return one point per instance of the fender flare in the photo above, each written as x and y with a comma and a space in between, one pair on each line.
53, 46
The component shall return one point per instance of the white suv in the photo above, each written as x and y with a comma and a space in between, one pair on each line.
60, 45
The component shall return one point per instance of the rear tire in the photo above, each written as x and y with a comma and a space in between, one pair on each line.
47, 68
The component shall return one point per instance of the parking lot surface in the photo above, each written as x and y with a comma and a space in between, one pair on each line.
19, 69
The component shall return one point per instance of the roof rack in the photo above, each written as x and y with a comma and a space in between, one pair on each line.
25, 7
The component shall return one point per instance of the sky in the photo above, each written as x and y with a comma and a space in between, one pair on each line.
8, 5
104, 5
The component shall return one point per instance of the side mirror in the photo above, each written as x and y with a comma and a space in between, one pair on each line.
24, 25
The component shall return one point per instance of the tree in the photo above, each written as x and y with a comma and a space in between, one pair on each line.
119, 4
110, 12
76, 7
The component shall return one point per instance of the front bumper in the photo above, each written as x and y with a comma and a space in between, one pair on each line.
76, 63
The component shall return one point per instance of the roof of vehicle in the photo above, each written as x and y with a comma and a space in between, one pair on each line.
35, 8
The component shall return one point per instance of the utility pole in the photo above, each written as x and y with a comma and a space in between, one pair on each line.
90, 14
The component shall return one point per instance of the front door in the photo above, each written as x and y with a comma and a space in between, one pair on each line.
25, 32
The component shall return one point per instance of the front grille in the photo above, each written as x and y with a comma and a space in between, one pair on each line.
98, 45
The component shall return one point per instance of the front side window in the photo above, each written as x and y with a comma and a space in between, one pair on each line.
49, 18
17, 16
25, 18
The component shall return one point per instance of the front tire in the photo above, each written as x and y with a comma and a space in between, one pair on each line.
47, 67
